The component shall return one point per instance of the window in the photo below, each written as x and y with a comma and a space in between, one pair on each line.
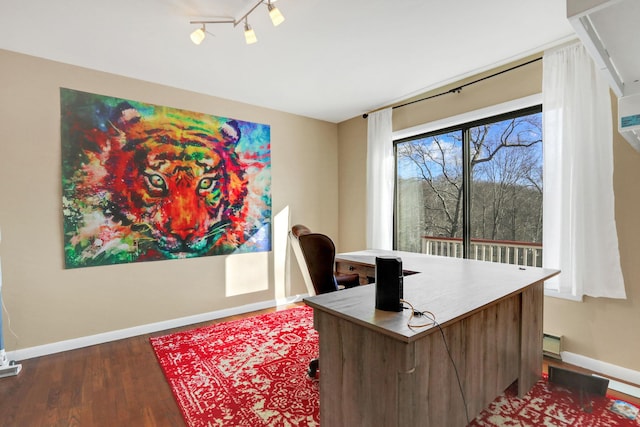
473, 190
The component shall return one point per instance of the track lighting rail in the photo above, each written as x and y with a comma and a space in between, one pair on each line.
276, 18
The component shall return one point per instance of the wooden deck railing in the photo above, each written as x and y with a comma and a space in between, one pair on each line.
505, 251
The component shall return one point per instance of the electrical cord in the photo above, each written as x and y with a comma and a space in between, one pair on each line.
416, 313
4, 307
433, 322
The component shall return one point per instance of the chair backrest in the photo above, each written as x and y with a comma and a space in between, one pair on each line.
315, 253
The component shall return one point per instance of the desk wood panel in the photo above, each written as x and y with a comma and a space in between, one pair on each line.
366, 272
376, 370
369, 379
354, 377
532, 328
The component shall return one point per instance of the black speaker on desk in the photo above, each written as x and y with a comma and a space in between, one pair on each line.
388, 283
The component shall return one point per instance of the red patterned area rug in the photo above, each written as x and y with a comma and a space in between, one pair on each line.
249, 372
550, 405
252, 373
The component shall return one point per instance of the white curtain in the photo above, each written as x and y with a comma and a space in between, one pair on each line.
380, 180
580, 236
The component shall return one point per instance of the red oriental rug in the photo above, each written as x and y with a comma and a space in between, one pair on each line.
548, 404
252, 372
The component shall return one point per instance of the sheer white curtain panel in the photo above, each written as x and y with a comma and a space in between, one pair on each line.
380, 180
580, 236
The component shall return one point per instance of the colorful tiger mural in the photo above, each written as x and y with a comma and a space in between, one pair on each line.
145, 182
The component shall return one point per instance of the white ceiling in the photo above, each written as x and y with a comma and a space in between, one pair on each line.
330, 60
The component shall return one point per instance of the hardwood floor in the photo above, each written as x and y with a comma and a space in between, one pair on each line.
113, 384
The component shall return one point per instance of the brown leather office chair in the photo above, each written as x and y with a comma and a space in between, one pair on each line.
316, 253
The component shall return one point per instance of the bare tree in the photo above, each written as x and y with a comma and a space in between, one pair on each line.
439, 164
505, 161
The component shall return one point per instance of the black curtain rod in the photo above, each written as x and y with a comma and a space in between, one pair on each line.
459, 88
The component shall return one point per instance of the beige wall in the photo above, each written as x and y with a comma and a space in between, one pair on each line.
47, 303
352, 152
598, 328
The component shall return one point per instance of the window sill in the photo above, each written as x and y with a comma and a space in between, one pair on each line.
562, 295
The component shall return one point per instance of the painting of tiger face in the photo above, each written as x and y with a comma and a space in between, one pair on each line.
144, 182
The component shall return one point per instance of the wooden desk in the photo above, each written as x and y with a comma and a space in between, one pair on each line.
376, 371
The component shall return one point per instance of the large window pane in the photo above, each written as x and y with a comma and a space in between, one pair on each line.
429, 184
506, 190
503, 220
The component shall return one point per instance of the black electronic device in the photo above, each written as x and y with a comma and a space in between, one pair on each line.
578, 381
389, 283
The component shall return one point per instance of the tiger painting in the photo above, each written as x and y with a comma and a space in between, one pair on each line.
144, 182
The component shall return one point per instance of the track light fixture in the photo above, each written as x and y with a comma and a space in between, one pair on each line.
199, 34
249, 34
274, 13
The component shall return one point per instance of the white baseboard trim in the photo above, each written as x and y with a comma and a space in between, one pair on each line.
75, 343
607, 370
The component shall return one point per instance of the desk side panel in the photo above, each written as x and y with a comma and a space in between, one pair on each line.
532, 336
359, 371
368, 378
485, 348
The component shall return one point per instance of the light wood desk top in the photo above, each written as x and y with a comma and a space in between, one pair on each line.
375, 370
450, 288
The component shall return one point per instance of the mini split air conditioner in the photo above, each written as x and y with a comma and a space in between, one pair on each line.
609, 31
629, 119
